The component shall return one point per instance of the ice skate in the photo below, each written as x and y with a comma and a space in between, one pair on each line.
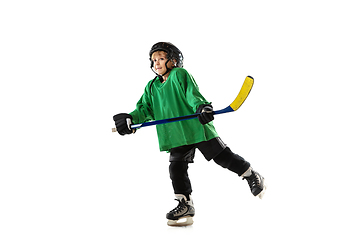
256, 182
183, 214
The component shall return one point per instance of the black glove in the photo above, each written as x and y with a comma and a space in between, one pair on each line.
206, 113
123, 122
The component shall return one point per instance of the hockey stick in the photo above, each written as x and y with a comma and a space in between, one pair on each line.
235, 105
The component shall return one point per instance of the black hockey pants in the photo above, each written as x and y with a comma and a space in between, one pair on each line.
179, 166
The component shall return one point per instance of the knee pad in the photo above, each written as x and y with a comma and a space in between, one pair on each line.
178, 169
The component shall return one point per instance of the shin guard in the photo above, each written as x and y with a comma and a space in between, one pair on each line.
229, 160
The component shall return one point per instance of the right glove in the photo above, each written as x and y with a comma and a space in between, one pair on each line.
123, 122
206, 113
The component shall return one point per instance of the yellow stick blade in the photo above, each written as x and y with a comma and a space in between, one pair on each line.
244, 92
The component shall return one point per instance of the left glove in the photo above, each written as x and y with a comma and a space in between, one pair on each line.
206, 113
123, 122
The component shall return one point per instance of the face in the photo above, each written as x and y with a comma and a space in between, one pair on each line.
159, 58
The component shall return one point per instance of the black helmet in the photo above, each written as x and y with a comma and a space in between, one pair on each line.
173, 53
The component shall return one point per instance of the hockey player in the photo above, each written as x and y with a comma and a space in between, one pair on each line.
172, 93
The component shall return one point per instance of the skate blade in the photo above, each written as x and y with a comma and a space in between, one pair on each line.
182, 222
262, 193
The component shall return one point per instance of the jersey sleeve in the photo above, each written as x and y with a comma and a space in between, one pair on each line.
143, 111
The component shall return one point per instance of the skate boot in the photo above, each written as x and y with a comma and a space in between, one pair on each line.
183, 214
256, 183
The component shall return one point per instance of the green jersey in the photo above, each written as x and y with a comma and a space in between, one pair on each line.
178, 96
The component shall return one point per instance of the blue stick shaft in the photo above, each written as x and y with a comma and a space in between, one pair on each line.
177, 119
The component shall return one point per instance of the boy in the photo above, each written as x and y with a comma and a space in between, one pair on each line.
172, 93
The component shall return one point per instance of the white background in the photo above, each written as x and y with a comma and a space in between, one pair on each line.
67, 67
